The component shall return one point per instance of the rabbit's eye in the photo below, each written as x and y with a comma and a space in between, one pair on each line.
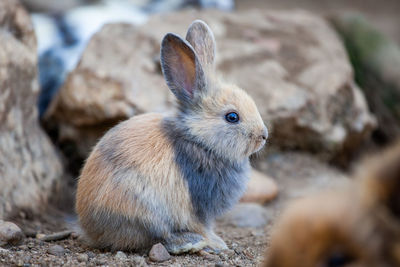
232, 117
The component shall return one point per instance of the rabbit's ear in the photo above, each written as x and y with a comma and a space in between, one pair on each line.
182, 69
201, 38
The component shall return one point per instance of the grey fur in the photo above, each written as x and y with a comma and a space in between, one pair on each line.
215, 183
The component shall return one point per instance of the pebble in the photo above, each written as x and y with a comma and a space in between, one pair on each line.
56, 250
10, 234
91, 254
120, 256
260, 189
248, 215
159, 253
101, 261
82, 257
139, 261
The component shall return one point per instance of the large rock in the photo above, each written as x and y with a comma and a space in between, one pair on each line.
29, 165
292, 63
376, 60
118, 77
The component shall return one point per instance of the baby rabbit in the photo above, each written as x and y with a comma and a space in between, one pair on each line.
165, 179
358, 226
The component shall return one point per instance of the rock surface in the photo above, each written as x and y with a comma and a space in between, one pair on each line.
159, 253
298, 175
292, 63
29, 165
260, 189
10, 234
376, 60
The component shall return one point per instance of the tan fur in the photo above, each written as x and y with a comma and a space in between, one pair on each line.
138, 138
225, 98
357, 222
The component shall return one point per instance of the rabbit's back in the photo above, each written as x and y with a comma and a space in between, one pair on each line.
131, 182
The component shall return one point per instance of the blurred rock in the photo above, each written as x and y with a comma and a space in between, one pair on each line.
376, 60
10, 234
298, 175
51, 6
248, 215
260, 189
292, 63
296, 69
29, 166
116, 78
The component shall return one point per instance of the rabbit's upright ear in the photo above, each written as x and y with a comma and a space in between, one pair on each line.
202, 39
182, 69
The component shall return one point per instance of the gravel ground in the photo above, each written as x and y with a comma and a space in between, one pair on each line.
246, 248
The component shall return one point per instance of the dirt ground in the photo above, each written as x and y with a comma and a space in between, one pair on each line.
297, 174
247, 246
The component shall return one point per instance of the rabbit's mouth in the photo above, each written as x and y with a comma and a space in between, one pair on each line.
256, 146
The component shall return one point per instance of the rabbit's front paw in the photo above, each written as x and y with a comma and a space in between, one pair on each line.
214, 243
180, 243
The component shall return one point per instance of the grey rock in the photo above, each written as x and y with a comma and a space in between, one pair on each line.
56, 250
121, 256
10, 234
139, 261
247, 215
159, 253
30, 166
291, 62
82, 257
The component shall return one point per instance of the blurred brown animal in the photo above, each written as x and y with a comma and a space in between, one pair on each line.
356, 226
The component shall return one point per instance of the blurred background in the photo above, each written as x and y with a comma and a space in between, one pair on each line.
325, 76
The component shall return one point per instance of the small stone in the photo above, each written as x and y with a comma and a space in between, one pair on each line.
159, 253
56, 250
20, 263
40, 236
101, 261
23, 247
10, 234
248, 215
91, 254
260, 189
82, 257
139, 261
120, 256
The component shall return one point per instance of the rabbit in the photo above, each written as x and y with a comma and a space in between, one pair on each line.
358, 225
159, 178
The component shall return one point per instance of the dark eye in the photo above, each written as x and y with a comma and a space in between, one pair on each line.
232, 117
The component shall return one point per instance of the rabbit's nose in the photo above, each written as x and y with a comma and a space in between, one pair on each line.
264, 134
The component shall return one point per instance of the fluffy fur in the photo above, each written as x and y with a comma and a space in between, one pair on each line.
357, 226
165, 179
